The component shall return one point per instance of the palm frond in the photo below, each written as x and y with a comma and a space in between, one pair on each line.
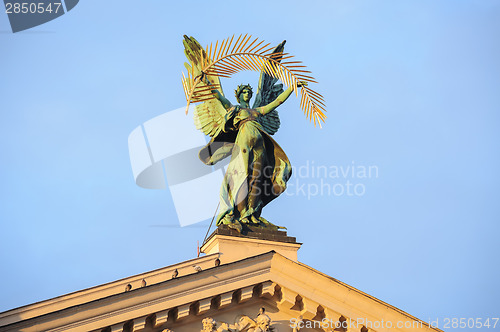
227, 58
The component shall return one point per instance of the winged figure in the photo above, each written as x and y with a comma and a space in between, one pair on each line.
259, 169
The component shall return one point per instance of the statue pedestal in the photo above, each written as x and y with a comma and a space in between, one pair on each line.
234, 246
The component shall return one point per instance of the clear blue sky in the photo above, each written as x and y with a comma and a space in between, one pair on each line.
412, 87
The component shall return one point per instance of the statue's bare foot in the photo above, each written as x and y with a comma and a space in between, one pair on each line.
231, 222
236, 225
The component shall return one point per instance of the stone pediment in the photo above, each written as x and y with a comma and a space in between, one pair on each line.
226, 292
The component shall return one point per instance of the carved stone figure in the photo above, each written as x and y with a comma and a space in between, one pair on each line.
263, 323
243, 324
210, 325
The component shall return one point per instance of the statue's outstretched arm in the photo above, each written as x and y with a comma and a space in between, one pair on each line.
278, 101
226, 103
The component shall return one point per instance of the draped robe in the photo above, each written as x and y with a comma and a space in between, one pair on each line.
257, 173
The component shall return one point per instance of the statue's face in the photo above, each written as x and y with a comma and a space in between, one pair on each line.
246, 95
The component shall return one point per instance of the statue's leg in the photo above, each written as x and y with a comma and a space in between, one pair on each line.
228, 213
251, 208
256, 188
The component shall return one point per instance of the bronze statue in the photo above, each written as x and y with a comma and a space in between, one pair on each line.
259, 169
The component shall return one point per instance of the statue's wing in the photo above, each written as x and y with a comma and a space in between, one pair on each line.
209, 115
268, 91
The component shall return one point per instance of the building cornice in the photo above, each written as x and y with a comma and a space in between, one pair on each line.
293, 287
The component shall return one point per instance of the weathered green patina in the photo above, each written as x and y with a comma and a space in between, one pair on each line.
259, 169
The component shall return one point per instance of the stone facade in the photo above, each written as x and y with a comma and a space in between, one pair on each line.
243, 283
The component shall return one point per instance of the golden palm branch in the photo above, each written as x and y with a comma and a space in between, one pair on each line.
228, 58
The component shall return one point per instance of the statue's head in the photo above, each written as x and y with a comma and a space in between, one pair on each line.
243, 93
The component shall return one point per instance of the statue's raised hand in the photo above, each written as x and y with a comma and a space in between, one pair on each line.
301, 84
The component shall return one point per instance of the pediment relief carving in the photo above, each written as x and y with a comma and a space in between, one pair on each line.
220, 313
284, 298
242, 323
